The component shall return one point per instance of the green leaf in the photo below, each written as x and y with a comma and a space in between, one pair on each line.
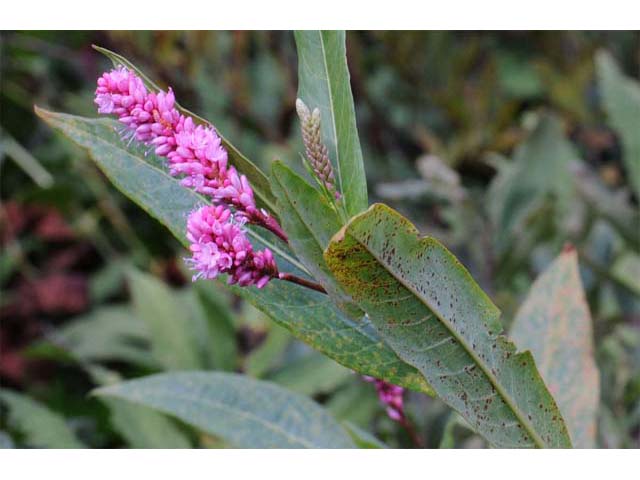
172, 340
248, 413
621, 102
362, 438
143, 427
311, 375
626, 270
448, 439
258, 179
140, 427
268, 353
310, 229
430, 311
539, 170
323, 83
107, 334
221, 327
554, 323
357, 403
310, 316
6, 441
41, 427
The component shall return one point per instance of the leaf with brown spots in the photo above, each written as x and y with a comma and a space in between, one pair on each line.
310, 316
427, 307
554, 323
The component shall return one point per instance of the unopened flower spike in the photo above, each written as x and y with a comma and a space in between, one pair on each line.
317, 154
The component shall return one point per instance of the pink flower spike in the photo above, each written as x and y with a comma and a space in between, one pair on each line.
194, 152
391, 396
218, 245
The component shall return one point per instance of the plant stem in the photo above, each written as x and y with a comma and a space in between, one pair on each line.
301, 281
415, 438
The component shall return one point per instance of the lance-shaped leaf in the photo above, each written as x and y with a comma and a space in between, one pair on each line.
173, 342
258, 179
41, 427
430, 311
246, 412
621, 101
362, 438
310, 222
143, 427
554, 323
323, 83
310, 316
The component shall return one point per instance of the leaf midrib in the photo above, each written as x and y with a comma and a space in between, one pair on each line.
494, 381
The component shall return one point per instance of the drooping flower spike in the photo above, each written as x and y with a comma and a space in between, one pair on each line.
219, 244
392, 397
193, 151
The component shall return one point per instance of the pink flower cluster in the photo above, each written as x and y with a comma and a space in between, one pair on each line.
218, 245
391, 396
195, 152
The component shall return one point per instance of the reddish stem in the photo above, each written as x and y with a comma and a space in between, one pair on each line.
301, 281
415, 438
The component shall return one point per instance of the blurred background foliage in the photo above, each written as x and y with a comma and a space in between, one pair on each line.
505, 146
